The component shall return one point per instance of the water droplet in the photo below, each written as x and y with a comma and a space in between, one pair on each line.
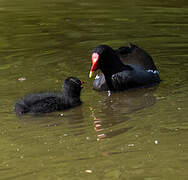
156, 142
88, 171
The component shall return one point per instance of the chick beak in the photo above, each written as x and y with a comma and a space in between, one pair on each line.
82, 84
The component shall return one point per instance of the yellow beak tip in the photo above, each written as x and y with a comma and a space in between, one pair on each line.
91, 74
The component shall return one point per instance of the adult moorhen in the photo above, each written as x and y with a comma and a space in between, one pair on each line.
124, 68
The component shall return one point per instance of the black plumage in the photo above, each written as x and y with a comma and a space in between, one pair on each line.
133, 54
125, 68
48, 101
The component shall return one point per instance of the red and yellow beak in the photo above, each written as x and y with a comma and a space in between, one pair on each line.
95, 66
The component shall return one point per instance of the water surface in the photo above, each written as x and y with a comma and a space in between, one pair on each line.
133, 135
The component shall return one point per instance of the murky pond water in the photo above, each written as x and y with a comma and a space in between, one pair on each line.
134, 135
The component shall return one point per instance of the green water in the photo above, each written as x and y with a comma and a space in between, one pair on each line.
135, 135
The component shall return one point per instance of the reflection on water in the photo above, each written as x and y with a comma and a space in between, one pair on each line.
124, 103
45, 41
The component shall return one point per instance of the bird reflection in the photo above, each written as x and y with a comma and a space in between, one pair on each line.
117, 108
73, 119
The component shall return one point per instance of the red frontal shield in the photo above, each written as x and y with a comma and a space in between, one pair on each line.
95, 66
